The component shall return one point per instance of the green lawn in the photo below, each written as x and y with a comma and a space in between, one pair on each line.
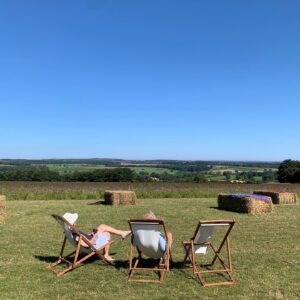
265, 252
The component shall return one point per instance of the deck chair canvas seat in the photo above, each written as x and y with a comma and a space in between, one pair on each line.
74, 237
201, 243
145, 239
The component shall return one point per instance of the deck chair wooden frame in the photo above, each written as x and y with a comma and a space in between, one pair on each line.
73, 262
189, 247
164, 264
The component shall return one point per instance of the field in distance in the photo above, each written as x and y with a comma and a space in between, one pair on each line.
159, 170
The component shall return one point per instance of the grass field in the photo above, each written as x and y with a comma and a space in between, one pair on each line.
265, 252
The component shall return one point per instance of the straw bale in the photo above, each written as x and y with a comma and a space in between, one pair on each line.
120, 197
245, 204
2, 206
279, 197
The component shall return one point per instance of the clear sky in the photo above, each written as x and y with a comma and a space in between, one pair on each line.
150, 79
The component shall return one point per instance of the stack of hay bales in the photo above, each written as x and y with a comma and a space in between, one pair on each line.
2, 206
279, 197
120, 197
245, 203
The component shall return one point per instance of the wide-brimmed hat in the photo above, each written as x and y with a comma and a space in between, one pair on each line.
71, 218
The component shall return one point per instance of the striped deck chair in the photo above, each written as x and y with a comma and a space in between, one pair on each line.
74, 237
201, 242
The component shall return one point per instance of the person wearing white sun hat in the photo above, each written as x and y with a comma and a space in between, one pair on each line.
100, 236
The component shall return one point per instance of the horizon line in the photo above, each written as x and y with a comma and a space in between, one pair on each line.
161, 159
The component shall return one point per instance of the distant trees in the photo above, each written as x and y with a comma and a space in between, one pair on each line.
104, 175
44, 174
227, 175
257, 177
29, 174
200, 178
289, 171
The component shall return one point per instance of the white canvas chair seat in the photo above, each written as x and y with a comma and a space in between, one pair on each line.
145, 239
70, 234
201, 242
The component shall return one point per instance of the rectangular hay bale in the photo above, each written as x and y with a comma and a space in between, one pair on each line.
245, 203
120, 197
279, 197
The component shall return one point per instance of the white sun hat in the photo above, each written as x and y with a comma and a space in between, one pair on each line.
71, 218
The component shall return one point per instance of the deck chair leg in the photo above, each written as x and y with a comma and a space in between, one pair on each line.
218, 257
227, 269
77, 251
131, 255
193, 257
187, 247
229, 255
63, 246
167, 259
132, 270
162, 276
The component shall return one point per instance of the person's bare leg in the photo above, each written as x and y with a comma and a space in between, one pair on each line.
105, 228
106, 249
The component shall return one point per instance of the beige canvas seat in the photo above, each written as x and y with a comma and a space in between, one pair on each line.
146, 240
202, 242
75, 237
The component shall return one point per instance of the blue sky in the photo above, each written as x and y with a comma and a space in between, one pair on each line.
194, 80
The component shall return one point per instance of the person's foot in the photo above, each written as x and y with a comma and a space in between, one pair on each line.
109, 258
125, 234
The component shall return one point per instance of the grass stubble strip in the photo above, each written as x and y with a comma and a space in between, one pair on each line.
245, 203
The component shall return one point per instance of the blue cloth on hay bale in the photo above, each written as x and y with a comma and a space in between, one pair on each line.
253, 196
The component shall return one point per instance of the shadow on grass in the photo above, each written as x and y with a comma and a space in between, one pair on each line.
215, 207
100, 202
145, 263
123, 266
52, 259
225, 210
47, 259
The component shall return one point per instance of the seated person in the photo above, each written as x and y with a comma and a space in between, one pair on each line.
162, 239
99, 237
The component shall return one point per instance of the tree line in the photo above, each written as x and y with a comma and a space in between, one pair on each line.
44, 174
289, 171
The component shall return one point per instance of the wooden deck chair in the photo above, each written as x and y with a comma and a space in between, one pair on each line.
201, 242
70, 234
146, 239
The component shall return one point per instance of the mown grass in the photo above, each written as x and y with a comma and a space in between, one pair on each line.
265, 252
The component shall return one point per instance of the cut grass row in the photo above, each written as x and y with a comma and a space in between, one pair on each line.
99, 194
95, 190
